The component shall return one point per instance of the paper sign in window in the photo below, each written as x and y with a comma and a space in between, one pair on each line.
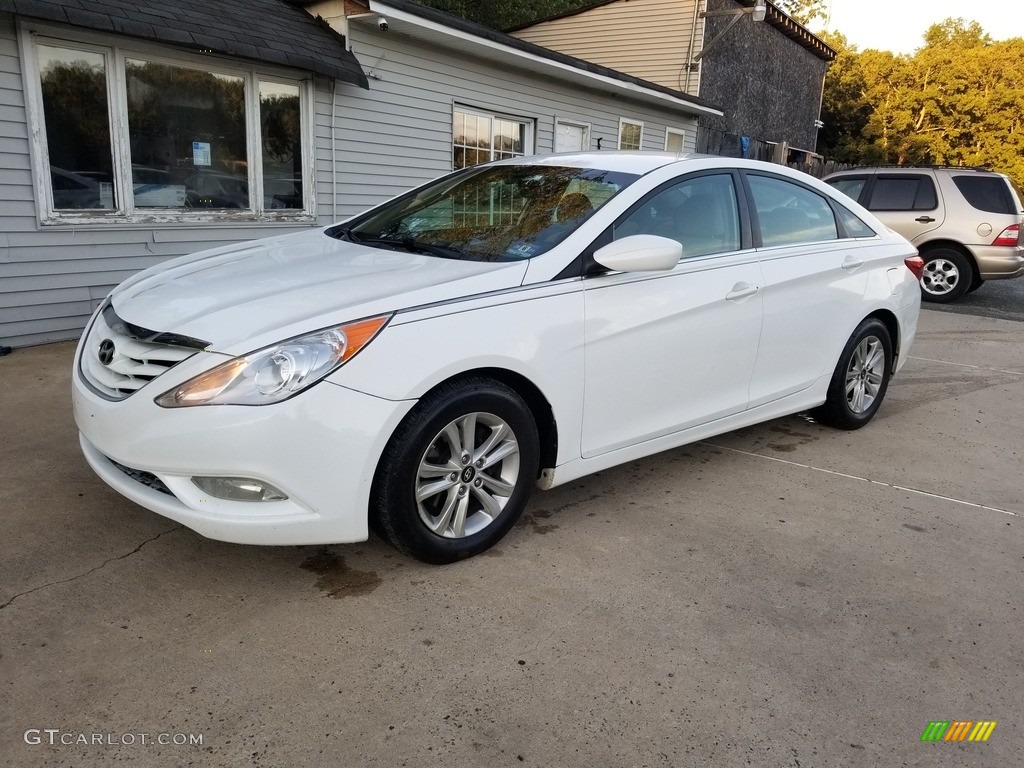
201, 153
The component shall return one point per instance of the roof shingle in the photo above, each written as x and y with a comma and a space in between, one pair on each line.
271, 31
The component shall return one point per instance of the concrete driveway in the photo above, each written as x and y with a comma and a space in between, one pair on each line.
786, 595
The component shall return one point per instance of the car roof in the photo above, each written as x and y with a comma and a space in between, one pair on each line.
639, 162
870, 169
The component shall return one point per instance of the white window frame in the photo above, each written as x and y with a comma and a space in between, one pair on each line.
115, 51
623, 121
670, 131
575, 124
529, 139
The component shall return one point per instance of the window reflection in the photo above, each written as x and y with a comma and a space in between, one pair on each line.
187, 133
74, 88
281, 134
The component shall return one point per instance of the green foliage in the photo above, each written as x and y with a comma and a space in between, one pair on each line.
958, 100
503, 15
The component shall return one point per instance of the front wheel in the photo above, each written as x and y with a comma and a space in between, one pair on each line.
860, 379
458, 471
947, 275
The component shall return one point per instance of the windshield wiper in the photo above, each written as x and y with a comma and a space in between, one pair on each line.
409, 244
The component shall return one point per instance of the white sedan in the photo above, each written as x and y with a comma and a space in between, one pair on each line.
422, 366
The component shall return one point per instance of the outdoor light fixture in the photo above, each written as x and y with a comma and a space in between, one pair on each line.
757, 12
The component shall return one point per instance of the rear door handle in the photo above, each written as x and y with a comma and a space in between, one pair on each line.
925, 219
852, 263
741, 291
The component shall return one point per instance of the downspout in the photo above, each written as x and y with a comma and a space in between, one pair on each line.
334, 151
689, 50
818, 125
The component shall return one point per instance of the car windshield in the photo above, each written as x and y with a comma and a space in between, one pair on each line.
489, 213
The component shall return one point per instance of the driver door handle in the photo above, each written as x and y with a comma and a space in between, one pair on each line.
925, 219
741, 291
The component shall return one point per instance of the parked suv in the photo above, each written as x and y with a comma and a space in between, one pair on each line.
965, 222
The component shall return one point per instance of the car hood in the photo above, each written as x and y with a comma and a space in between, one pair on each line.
257, 293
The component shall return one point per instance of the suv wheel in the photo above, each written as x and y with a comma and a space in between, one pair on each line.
947, 275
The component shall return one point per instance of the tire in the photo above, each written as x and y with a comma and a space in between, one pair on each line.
976, 283
947, 275
861, 378
473, 494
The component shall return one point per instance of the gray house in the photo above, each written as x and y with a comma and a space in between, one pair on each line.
133, 131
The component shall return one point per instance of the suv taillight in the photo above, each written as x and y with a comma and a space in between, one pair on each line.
915, 264
1009, 236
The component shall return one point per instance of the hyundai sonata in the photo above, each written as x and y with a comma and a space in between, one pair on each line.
422, 366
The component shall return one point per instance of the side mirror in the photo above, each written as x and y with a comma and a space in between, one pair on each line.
640, 253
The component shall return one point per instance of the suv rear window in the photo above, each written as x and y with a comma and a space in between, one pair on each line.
903, 193
986, 193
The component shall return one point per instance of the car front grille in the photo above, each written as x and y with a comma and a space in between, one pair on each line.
146, 478
119, 358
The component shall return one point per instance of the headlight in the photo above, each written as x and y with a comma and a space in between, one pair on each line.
276, 373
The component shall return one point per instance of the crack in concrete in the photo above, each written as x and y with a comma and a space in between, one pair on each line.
104, 564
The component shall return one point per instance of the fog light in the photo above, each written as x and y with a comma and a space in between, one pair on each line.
238, 489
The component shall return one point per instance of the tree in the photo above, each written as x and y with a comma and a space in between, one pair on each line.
805, 11
958, 100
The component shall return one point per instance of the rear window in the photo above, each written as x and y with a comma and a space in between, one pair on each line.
903, 193
853, 225
986, 193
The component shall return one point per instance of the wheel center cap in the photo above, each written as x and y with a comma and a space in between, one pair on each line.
467, 474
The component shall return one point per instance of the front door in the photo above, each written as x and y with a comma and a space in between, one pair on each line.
670, 350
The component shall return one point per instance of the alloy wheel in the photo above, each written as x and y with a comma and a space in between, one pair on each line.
467, 474
940, 276
865, 375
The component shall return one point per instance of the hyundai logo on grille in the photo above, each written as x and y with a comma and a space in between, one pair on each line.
106, 351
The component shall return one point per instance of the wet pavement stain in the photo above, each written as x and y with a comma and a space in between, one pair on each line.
917, 528
533, 520
338, 579
804, 437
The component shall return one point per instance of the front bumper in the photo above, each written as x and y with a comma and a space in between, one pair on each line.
321, 448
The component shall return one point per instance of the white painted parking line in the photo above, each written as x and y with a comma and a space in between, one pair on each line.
965, 365
865, 479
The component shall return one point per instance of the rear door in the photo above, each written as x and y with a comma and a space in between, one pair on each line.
908, 203
815, 280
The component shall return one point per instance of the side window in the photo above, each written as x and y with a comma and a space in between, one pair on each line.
700, 213
851, 186
905, 192
853, 225
986, 193
790, 214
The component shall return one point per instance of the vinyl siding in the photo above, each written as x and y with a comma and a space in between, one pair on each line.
52, 277
646, 38
369, 146
399, 134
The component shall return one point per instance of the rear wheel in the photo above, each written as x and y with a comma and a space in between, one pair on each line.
947, 275
976, 283
458, 471
860, 379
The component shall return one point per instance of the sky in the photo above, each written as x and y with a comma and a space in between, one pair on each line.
899, 25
